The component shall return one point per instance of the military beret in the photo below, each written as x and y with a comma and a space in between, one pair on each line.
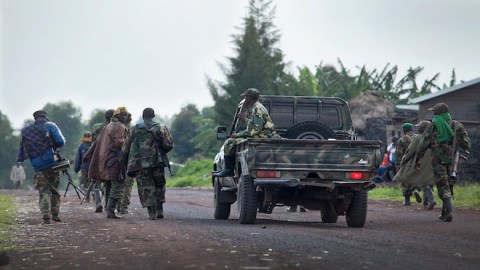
120, 110
251, 92
39, 113
407, 126
439, 108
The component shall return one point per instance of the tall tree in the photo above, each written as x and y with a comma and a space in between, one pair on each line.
183, 129
258, 63
8, 152
204, 139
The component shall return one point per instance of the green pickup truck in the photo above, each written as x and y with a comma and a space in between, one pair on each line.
318, 163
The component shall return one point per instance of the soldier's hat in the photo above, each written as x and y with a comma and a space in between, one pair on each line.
407, 126
39, 113
422, 124
439, 108
120, 110
251, 92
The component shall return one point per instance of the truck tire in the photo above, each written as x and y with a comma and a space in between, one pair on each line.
309, 130
221, 210
247, 201
328, 214
357, 211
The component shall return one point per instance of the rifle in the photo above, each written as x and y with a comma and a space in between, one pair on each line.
455, 163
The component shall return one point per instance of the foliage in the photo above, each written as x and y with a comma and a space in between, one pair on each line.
196, 173
258, 63
467, 195
204, 139
183, 129
7, 219
9, 150
97, 116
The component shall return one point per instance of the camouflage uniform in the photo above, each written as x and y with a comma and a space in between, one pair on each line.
146, 148
257, 125
400, 150
47, 182
442, 154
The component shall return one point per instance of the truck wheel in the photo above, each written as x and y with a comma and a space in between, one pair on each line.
221, 210
357, 211
328, 214
247, 201
309, 130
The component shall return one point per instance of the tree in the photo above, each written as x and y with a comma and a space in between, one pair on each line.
183, 129
9, 149
258, 63
204, 140
97, 116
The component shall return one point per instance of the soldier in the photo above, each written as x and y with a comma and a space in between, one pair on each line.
98, 189
39, 143
123, 204
400, 150
146, 148
81, 166
105, 158
258, 124
443, 136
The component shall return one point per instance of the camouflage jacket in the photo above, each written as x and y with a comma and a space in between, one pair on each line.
258, 123
442, 153
402, 146
146, 146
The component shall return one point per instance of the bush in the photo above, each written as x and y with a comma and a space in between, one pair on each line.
194, 173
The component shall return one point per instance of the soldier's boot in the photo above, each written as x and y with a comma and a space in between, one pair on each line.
430, 198
417, 195
448, 202
229, 167
407, 201
98, 201
159, 210
56, 218
111, 208
152, 212
46, 220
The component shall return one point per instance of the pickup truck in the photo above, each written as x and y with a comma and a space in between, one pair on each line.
317, 163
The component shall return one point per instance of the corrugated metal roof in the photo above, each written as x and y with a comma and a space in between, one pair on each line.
444, 91
410, 107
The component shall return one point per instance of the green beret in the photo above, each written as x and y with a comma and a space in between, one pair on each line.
407, 126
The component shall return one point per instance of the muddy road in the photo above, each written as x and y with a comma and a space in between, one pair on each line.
394, 237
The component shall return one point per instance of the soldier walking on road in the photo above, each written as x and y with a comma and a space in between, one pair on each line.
147, 147
81, 166
443, 136
106, 160
39, 143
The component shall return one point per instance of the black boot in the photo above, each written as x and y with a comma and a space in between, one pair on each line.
407, 201
430, 198
56, 218
228, 170
111, 208
98, 201
159, 210
448, 202
152, 212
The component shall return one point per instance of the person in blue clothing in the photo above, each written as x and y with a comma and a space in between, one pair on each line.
39, 143
82, 167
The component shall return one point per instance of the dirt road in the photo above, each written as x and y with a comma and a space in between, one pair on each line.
395, 237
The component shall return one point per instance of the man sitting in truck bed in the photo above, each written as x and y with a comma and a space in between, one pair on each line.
257, 124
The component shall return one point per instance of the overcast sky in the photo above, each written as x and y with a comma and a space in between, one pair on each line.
105, 54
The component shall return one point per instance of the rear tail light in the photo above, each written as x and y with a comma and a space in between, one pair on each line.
268, 174
358, 176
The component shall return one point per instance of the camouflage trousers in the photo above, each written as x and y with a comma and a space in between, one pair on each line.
84, 179
441, 174
47, 182
151, 186
127, 192
229, 146
114, 189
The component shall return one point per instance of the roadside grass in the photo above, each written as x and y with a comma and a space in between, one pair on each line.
466, 195
7, 220
195, 173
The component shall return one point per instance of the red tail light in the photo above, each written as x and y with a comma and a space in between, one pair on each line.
268, 174
356, 175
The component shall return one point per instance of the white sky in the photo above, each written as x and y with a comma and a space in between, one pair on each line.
110, 53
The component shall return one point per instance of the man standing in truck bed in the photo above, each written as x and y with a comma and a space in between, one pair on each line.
257, 123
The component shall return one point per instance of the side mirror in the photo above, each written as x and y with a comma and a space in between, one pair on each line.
221, 133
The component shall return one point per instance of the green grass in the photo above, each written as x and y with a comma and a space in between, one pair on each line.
466, 196
195, 173
7, 220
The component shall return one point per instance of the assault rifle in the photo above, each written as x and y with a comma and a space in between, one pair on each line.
455, 163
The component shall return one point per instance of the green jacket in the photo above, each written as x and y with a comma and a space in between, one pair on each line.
407, 173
